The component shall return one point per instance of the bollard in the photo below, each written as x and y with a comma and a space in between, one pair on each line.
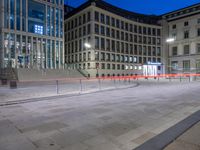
13, 84
4, 81
180, 79
189, 78
115, 83
129, 81
158, 78
99, 84
81, 86
57, 90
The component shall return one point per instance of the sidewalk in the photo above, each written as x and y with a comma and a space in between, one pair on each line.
190, 140
35, 90
184, 135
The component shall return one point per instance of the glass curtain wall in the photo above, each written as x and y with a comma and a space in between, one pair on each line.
39, 40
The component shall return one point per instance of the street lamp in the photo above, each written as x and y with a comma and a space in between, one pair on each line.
89, 46
169, 41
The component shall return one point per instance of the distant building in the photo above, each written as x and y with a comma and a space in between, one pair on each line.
183, 28
104, 40
32, 34
68, 9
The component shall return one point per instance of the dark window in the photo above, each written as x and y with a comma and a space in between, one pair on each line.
149, 31
113, 45
84, 18
122, 25
108, 32
107, 44
126, 26
186, 34
144, 30
88, 16
113, 22
96, 42
102, 18
198, 32
122, 35
131, 28
174, 26
117, 34
174, 51
102, 30
113, 33
135, 28
140, 29
80, 22
107, 20
117, 23
88, 29
102, 43
96, 16
186, 23
186, 50
158, 32
96, 28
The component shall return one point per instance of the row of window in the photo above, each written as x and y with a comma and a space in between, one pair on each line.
108, 66
122, 47
85, 30
111, 21
186, 34
125, 36
185, 66
110, 57
78, 21
38, 21
183, 12
25, 52
186, 50
58, 2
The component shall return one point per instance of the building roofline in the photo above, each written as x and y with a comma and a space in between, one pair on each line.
142, 18
179, 9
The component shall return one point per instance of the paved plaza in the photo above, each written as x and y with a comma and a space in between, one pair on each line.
120, 119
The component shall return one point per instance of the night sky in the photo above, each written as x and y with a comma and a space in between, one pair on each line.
157, 7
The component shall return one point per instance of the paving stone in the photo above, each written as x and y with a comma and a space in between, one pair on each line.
180, 145
144, 138
77, 146
46, 127
117, 129
72, 137
7, 129
192, 135
16, 143
46, 144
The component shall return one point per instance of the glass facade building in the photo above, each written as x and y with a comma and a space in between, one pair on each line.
32, 34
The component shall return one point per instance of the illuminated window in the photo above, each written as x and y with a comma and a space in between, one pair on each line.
38, 29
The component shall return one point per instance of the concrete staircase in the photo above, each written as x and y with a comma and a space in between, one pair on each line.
35, 74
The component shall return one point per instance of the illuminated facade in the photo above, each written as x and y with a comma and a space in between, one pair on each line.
182, 40
32, 34
103, 40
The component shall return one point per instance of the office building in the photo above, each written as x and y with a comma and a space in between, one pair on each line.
32, 34
104, 40
182, 34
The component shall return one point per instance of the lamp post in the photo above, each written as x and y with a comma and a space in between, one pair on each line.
89, 46
169, 41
